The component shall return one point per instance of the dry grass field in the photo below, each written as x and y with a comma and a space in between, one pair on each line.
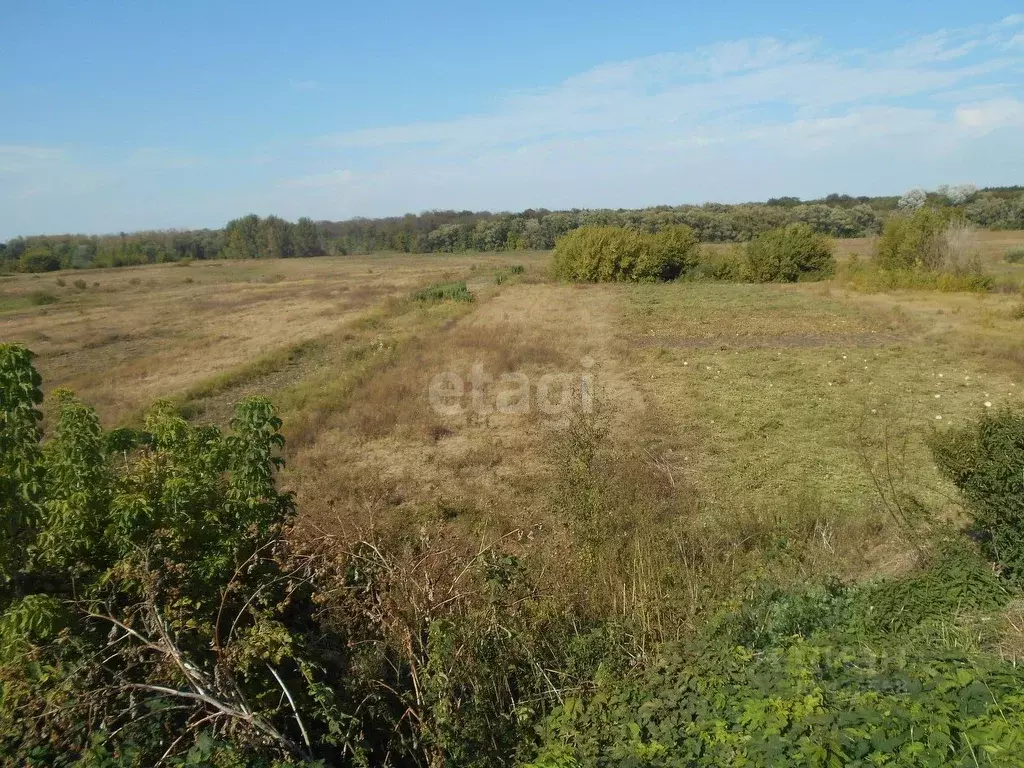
728, 417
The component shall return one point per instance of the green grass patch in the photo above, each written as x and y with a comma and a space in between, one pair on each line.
453, 291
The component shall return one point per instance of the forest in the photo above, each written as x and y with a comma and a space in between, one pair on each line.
252, 236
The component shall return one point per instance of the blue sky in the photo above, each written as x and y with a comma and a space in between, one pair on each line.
128, 115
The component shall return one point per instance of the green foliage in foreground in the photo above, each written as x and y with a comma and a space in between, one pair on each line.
986, 462
455, 291
826, 677
153, 612
142, 592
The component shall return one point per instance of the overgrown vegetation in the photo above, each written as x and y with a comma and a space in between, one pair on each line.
986, 462
922, 249
789, 255
615, 254
155, 609
1015, 255
811, 677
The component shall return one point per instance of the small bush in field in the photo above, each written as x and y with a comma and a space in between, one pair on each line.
1017, 313
517, 269
61, 282
789, 254
456, 291
1015, 255
39, 298
80, 284
913, 242
616, 254
986, 462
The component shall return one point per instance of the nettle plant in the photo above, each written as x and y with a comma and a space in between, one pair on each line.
147, 603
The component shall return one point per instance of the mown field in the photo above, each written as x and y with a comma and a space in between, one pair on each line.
743, 412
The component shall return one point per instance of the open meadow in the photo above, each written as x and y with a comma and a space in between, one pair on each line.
733, 414
505, 496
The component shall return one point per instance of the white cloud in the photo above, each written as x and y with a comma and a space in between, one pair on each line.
987, 116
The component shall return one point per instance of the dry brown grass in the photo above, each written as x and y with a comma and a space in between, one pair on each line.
146, 333
740, 420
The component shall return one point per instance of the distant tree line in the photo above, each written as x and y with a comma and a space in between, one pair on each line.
251, 237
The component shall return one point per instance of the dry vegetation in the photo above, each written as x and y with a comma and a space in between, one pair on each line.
729, 415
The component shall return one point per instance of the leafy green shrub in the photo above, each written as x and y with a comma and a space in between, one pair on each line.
912, 242
39, 260
789, 254
1015, 255
820, 676
615, 254
80, 284
40, 298
673, 252
517, 269
986, 462
725, 265
456, 291
143, 596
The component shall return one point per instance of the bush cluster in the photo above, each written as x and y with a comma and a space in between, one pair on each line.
614, 254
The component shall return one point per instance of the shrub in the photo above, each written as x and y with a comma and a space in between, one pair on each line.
80, 284
39, 261
789, 254
728, 265
986, 462
615, 254
61, 282
1015, 255
517, 269
815, 676
672, 252
597, 254
916, 241
39, 298
456, 291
